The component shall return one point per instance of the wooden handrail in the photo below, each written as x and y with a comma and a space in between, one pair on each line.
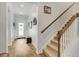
64, 28
68, 24
57, 18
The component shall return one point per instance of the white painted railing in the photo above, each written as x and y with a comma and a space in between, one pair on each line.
66, 38
66, 34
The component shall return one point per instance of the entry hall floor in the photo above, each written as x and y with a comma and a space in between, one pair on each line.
19, 48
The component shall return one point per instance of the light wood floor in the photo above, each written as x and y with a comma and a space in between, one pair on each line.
19, 48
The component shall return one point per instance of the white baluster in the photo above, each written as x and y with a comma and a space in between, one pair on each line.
61, 44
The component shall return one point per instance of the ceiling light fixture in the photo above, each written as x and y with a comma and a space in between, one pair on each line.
22, 5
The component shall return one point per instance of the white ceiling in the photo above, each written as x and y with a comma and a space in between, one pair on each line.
27, 9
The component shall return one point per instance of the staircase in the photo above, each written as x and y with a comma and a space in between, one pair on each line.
53, 48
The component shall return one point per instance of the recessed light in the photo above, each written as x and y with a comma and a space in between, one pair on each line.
21, 12
22, 5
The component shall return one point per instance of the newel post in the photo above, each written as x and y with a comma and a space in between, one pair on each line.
58, 37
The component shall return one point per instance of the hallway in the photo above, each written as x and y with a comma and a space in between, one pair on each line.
39, 29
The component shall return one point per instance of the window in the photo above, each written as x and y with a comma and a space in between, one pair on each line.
21, 29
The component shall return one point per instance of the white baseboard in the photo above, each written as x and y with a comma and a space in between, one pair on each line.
39, 52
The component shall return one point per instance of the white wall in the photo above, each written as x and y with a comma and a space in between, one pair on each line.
45, 19
10, 27
33, 32
3, 33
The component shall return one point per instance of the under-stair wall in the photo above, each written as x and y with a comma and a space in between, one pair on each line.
44, 37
